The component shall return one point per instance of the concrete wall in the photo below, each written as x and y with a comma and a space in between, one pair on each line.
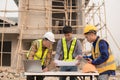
14, 41
35, 19
81, 17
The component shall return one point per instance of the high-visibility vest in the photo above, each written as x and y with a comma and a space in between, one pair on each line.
107, 65
39, 55
68, 54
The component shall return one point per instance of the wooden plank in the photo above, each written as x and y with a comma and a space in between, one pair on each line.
66, 13
57, 36
10, 30
70, 12
64, 19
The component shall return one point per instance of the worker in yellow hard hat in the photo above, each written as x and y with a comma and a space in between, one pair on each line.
41, 50
101, 56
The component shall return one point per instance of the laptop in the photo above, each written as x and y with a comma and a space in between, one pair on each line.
32, 66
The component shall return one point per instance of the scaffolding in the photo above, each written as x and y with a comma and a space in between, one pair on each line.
95, 13
75, 13
53, 15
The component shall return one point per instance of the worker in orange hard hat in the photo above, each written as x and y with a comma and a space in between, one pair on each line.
101, 56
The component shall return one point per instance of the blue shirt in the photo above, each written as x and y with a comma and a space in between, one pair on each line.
103, 47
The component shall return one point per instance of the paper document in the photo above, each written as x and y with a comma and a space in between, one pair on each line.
66, 63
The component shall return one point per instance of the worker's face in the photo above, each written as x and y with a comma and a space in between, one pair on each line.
48, 44
89, 37
68, 36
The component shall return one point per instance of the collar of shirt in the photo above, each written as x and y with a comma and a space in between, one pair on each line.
94, 43
70, 40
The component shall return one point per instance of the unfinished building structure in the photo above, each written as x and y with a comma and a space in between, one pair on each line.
39, 16
35, 18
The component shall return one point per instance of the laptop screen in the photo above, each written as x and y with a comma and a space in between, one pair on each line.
32, 66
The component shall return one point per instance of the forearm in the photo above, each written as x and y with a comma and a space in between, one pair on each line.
32, 51
31, 55
88, 57
50, 62
51, 65
78, 48
56, 56
100, 59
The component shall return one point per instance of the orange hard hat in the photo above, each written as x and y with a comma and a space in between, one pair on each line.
88, 68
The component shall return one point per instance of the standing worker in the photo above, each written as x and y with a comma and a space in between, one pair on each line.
101, 56
68, 48
41, 50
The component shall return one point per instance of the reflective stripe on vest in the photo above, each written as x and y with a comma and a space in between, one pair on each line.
107, 65
39, 55
68, 54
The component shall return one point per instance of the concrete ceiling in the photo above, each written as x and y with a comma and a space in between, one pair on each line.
17, 2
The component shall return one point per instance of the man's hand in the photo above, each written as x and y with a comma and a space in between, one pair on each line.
89, 60
55, 63
78, 63
45, 69
78, 57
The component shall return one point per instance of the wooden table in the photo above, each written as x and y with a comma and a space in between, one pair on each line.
58, 74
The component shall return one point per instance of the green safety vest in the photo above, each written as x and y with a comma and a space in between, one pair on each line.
68, 54
39, 55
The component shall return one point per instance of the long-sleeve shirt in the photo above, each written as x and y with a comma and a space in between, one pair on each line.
103, 47
59, 50
33, 49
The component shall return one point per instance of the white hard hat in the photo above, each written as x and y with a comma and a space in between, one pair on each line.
49, 36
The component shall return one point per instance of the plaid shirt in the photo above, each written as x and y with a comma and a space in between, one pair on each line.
33, 49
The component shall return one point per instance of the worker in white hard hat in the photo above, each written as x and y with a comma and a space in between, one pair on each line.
41, 49
101, 57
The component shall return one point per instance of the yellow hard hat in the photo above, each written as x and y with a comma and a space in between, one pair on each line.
88, 28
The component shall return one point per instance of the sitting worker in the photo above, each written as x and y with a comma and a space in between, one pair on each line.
67, 49
41, 50
101, 56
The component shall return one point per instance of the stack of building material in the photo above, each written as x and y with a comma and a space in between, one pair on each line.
10, 74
